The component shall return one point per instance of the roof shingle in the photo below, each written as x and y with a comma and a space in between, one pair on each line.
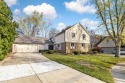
30, 40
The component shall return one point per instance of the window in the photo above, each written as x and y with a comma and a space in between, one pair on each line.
83, 45
83, 36
58, 47
122, 49
73, 35
72, 46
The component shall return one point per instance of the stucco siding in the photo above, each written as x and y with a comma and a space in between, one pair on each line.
59, 39
27, 47
79, 31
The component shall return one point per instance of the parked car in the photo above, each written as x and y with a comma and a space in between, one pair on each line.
122, 51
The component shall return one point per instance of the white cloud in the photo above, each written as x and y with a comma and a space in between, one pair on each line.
89, 23
47, 10
16, 11
61, 26
80, 6
10, 2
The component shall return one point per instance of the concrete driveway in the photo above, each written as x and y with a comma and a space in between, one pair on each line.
35, 68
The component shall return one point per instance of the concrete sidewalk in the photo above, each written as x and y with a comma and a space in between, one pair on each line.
35, 68
118, 72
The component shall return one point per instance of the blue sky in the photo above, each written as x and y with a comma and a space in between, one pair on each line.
61, 12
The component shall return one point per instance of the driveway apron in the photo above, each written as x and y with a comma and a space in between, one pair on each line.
35, 68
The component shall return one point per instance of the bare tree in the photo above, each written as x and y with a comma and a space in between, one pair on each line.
30, 25
112, 17
46, 27
53, 32
92, 38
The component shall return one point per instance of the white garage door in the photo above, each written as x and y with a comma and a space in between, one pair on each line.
26, 48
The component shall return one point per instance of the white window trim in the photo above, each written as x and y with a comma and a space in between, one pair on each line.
72, 47
83, 38
83, 44
72, 34
59, 47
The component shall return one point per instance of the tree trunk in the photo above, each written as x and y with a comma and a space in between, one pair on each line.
91, 46
33, 33
117, 50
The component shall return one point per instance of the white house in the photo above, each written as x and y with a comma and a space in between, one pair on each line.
73, 38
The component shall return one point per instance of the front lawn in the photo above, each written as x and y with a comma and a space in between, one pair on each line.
98, 66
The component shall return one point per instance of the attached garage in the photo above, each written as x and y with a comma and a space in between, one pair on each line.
108, 49
27, 48
28, 44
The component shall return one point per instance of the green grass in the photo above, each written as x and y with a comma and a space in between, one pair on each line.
98, 66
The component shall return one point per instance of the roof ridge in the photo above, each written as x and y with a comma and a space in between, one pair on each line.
100, 41
68, 28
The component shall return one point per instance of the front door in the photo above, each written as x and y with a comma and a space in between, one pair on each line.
50, 47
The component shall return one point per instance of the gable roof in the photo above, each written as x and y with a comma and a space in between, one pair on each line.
100, 41
30, 40
106, 42
71, 27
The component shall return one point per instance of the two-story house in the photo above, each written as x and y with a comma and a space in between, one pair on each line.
73, 38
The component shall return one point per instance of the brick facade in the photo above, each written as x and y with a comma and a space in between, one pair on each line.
66, 47
78, 47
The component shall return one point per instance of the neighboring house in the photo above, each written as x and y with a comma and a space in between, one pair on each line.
31, 44
106, 44
95, 39
73, 38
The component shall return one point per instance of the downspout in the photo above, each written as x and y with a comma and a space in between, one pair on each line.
65, 41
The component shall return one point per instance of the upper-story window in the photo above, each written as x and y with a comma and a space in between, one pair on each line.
83, 36
73, 35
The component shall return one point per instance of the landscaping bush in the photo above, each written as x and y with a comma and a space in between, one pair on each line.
48, 51
43, 51
40, 51
98, 49
76, 52
51, 51
94, 52
7, 29
84, 53
2, 57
